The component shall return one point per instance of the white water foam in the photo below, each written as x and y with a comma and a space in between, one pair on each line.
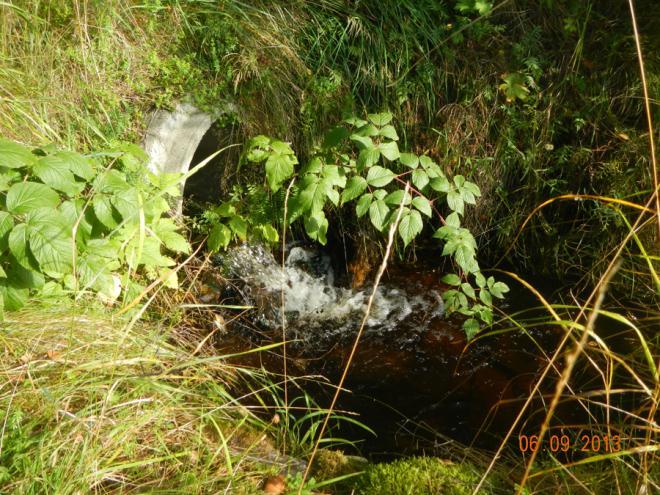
312, 301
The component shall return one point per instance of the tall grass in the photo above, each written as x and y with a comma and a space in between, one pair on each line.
90, 405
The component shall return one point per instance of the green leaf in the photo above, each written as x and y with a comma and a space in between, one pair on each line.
268, 233
51, 245
451, 279
499, 289
13, 299
378, 214
380, 119
111, 182
334, 175
459, 180
423, 205
367, 130
471, 328
355, 121
239, 226
219, 237
27, 196
367, 158
79, 165
473, 188
485, 297
380, 193
453, 220
363, 204
389, 150
420, 179
389, 132
455, 201
104, 211
14, 155
468, 290
18, 245
410, 226
6, 224
281, 148
22, 278
480, 279
426, 162
514, 87
410, 160
379, 176
354, 187
166, 230
440, 184
54, 172
312, 198
395, 198
279, 167
128, 204
363, 142
316, 226
335, 136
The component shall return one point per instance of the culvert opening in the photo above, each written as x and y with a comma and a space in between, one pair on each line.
213, 181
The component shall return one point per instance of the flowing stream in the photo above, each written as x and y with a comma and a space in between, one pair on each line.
414, 379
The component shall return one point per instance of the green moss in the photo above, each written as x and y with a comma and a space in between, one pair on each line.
419, 476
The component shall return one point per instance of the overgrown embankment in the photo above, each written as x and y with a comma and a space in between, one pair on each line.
529, 100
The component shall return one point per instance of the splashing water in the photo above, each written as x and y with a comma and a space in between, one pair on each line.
315, 307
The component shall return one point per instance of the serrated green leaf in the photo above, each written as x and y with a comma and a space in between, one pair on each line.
78, 164
459, 180
281, 148
316, 226
13, 299
480, 279
363, 142
453, 220
104, 211
426, 162
14, 155
468, 290
279, 167
367, 130
420, 179
26, 196
423, 205
6, 224
238, 225
54, 172
380, 193
354, 187
410, 160
410, 226
380, 119
362, 206
367, 158
473, 188
18, 245
455, 201
389, 150
111, 182
394, 198
128, 204
389, 132
440, 184
22, 278
51, 246
268, 233
378, 211
219, 237
499, 289
485, 297
471, 328
451, 279
379, 176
